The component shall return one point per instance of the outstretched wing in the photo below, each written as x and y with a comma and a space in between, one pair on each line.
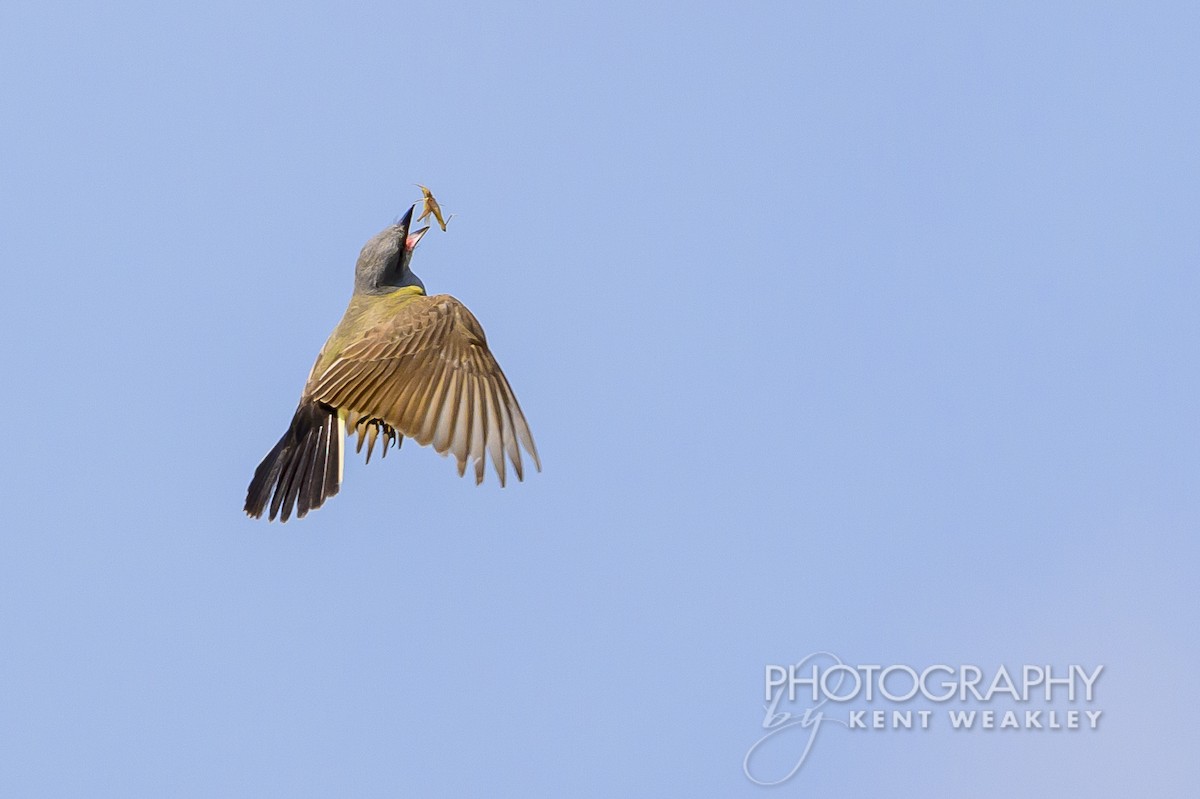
428, 373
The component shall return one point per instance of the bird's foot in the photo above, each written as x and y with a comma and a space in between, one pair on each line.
370, 429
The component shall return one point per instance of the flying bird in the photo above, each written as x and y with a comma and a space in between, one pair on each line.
400, 363
430, 206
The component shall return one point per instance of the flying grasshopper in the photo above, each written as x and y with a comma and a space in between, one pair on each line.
430, 206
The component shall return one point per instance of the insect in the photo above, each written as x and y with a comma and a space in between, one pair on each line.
430, 206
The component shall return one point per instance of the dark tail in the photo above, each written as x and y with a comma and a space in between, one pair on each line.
304, 468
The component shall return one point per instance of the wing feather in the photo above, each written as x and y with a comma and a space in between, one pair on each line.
432, 405
495, 430
478, 428
444, 425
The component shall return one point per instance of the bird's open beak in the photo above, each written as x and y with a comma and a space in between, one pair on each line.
415, 236
406, 219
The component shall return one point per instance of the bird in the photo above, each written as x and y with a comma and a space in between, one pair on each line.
430, 206
399, 364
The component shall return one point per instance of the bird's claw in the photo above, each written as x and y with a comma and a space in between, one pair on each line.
369, 430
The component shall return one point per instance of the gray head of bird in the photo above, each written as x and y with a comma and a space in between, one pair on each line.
383, 264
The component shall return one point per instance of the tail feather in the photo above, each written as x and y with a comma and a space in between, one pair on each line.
303, 469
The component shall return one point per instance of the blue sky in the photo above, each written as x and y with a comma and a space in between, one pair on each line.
864, 328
